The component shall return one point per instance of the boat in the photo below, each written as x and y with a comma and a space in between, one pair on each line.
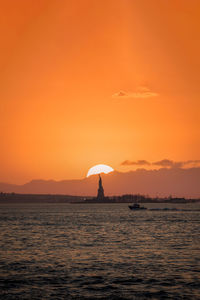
136, 206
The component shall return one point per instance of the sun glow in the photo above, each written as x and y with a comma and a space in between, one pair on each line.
99, 169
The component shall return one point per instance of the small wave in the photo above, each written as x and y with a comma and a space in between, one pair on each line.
172, 209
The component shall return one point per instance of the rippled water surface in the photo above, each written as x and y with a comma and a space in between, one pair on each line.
105, 251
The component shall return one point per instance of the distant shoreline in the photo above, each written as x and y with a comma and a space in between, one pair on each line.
53, 198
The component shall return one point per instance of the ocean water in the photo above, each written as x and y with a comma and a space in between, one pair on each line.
99, 251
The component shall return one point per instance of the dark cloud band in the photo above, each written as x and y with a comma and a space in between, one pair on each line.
166, 163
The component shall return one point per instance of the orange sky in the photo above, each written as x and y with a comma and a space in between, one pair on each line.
86, 82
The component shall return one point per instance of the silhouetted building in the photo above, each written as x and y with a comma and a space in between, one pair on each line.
100, 195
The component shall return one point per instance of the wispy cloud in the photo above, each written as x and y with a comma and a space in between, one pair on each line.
168, 163
140, 92
176, 164
192, 162
165, 163
136, 163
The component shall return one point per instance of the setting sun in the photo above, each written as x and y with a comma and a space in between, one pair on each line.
99, 169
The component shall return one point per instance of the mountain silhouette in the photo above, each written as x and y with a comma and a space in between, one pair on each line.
177, 182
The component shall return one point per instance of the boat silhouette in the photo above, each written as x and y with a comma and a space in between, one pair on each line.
136, 206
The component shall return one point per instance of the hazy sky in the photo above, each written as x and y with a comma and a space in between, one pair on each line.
86, 82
